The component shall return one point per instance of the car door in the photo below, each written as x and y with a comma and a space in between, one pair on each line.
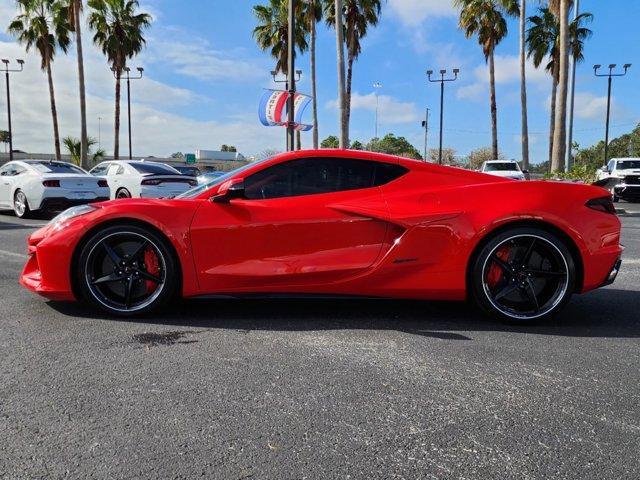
5, 185
304, 222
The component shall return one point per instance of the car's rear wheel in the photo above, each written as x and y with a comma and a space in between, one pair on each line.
123, 193
127, 270
523, 275
20, 204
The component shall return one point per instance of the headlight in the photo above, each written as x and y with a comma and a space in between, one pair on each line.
58, 221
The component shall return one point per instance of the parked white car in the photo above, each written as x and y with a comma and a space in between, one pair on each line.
131, 178
503, 168
624, 174
31, 185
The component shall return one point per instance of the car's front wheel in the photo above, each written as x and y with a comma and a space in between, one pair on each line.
126, 270
523, 275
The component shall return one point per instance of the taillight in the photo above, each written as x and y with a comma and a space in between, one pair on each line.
150, 182
602, 204
51, 183
103, 183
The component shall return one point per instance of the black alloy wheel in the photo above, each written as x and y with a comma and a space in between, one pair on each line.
126, 270
524, 275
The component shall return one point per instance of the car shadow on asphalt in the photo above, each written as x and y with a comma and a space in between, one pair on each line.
603, 313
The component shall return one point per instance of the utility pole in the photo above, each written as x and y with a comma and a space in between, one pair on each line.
274, 74
99, 133
610, 75
127, 71
7, 71
442, 81
291, 78
425, 125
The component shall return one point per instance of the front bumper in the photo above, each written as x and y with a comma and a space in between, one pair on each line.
626, 191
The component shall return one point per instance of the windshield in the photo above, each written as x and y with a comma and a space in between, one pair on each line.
501, 167
626, 164
56, 167
212, 182
154, 168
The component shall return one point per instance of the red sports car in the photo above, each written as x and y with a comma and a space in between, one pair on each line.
337, 222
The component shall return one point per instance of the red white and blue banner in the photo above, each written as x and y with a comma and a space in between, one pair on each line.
273, 109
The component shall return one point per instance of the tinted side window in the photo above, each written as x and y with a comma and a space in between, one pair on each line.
100, 169
387, 172
310, 176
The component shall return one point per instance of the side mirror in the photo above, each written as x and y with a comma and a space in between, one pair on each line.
229, 190
525, 172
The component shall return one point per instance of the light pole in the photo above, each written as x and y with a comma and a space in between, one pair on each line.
610, 75
442, 81
376, 86
425, 125
572, 96
127, 71
291, 76
290, 112
7, 71
99, 133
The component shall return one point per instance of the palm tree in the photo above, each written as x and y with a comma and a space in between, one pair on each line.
42, 24
75, 10
118, 32
485, 19
543, 45
272, 31
74, 148
358, 15
312, 15
523, 86
344, 123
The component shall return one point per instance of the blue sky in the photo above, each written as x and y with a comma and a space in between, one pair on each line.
204, 75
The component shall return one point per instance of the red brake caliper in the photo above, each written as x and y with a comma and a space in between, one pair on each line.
496, 273
153, 267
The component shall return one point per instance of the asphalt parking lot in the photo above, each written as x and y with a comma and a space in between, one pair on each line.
318, 389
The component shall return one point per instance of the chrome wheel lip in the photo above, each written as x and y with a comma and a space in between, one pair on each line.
146, 302
20, 203
511, 314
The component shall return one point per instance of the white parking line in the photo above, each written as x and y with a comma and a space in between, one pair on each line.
12, 254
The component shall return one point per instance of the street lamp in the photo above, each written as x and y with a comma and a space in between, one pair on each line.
7, 71
290, 112
442, 81
626, 67
127, 71
376, 86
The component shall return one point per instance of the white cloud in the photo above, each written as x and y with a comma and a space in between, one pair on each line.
390, 109
156, 132
413, 12
591, 107
507, 70
198, 59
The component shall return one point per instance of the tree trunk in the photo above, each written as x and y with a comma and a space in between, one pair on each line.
494, 108
348, 90
523, 86
314, 100
344, 125
54, 112
116, 123
560, 127
83, 103
554, 94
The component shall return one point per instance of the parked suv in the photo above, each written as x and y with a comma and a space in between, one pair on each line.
624, 178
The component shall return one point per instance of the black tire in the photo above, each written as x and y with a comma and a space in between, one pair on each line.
123, 193
127, 270
21, 204
523, 275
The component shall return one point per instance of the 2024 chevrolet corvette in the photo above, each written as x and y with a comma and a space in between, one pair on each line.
337, 222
